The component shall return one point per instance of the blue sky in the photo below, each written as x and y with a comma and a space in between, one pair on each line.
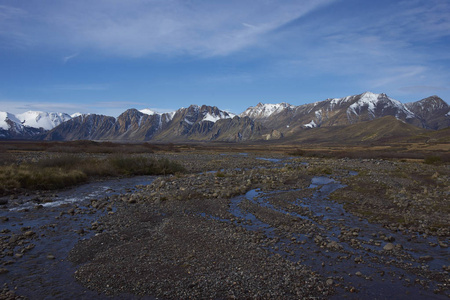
106, 56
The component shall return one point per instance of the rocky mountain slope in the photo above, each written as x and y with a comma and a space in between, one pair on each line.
429, 113
195, 123
433, 112
208, 123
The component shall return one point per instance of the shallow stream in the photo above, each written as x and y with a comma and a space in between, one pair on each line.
43, 271
344, 248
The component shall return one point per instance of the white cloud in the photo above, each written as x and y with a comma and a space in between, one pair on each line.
69, 57
18, 107
398, 44
138, 27
111, 108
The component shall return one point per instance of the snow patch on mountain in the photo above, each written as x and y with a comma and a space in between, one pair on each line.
170, 115
311, 124
265, 110
187, 121
77, 114
214, 118
148, 111
338, 101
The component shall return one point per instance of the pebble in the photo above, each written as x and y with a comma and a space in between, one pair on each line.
388, 247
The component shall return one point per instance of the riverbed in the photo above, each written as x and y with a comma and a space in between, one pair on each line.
264, 229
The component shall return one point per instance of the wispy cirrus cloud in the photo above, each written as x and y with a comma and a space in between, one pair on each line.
137, 28
69, 57
17, 107
110, 108
400, 43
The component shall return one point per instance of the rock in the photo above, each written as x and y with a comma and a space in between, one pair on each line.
29, 233
426, 258
3, 270
329, 281
334, 245
388, 247
50, 256
443, 245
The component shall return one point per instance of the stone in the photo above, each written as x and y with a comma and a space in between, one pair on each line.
334, 245
443, 245
426, 258
29, 233
388, 247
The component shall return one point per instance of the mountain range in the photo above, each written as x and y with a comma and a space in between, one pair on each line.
261, 122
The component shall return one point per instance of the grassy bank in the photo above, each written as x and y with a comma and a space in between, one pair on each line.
66, 170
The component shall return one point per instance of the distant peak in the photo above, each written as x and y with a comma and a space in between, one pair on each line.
370, 94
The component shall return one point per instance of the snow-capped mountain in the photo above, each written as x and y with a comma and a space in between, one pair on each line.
207, 123
40, 119
8, 121
11, 127
33, 119
343, 111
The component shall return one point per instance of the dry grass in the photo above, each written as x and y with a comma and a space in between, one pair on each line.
68, 170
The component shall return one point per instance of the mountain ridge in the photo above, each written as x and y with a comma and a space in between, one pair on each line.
209, 123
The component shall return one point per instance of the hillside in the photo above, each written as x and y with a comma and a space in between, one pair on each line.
382, 129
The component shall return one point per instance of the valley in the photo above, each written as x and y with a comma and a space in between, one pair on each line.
260, 220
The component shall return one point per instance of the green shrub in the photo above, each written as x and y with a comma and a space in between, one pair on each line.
220, 174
